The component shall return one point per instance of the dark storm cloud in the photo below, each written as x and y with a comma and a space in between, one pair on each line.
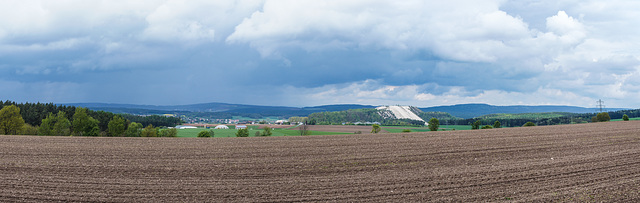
307, 53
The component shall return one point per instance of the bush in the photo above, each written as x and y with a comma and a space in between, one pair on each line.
242, 132
487, 127
497, 124
475, 125
603, 117
434, 124
29, 130
357, 132
172, 132
205, 133
375, 128
406, 131
625, 117
529, 124
149, 131
266, 131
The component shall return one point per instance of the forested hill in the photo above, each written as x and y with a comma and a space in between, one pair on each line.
226, 111
219, 108
34, 113
476, 110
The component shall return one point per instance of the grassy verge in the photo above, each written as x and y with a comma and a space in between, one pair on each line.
631, 119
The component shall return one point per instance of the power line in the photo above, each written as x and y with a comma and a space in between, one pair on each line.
600, 104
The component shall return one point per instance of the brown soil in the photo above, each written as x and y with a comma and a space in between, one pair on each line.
575, 163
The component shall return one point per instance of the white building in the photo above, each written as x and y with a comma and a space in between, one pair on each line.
185, 127
221, 127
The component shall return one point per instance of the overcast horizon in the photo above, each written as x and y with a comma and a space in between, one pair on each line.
310, 53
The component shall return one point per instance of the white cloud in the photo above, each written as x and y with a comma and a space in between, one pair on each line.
375, 93
347, 51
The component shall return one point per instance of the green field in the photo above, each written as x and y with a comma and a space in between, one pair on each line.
631, 119
525, 115
252, 131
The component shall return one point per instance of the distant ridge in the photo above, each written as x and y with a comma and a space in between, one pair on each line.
459, 110
475, 110
217, 107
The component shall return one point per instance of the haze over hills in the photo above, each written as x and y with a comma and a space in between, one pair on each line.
459, 110
218, 107
475, 110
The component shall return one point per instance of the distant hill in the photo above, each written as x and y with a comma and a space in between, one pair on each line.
460, 110
476, 110
218, 107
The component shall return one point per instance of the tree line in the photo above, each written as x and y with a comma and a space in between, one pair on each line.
50, 119
373, 115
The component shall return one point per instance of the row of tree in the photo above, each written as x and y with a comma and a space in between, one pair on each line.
34, 113
80, 122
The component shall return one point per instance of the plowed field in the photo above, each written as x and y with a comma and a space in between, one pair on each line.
576, 163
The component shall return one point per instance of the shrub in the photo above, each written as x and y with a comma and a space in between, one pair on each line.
357, 132
603, 117
29, 130
242, 133
204, 133
172, 132
529, 124
475, 125
487, 127
497, 124
266, 131
149, 131
375, 128
434, 124
625, 117
406, 131
257, 133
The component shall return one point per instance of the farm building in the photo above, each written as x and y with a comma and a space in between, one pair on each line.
185, 127
280, 122
221, 127
241, 127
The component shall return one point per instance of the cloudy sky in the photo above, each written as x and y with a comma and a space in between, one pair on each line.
305, 53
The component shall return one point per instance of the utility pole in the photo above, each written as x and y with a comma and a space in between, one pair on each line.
600, 104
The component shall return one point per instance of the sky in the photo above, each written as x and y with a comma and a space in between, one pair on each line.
306, 53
